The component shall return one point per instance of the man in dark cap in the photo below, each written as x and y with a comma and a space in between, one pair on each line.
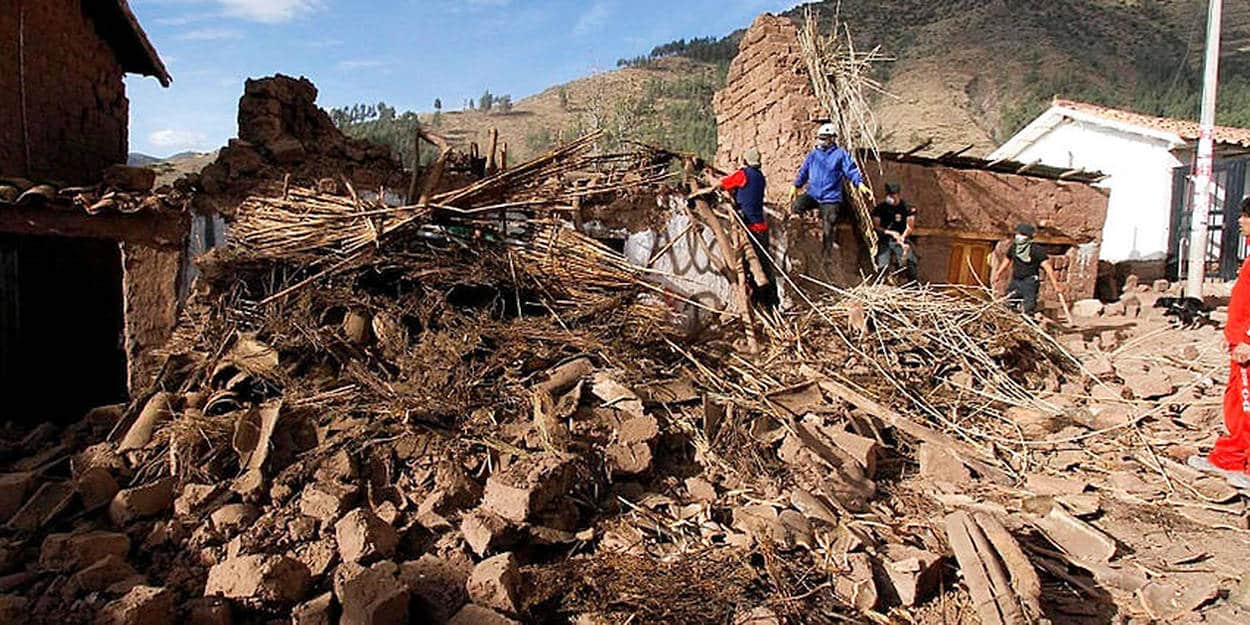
894, 221
1026, 261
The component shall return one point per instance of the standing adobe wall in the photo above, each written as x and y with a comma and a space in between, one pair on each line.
75, 109
767, 104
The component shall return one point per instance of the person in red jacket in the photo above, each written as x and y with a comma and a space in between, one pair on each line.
1231, 454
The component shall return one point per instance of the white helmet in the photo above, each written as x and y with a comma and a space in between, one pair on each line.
827, 130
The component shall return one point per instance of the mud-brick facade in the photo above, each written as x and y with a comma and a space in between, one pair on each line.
767, 103
63, 107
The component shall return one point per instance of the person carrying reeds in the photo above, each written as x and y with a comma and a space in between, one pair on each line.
823, 172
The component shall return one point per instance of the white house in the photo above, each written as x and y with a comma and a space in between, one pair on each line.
1146, 160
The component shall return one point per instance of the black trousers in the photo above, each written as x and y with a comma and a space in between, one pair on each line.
762, 295
1022, 293
830, 213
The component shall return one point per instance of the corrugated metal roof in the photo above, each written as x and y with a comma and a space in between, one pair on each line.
1183, 128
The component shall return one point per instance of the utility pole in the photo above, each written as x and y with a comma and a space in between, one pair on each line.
1205, 157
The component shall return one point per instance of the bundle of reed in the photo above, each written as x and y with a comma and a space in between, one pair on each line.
840, 79
304, 223
578, 270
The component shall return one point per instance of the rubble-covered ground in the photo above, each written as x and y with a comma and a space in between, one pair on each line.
468, 412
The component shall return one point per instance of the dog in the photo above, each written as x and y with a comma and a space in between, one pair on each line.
1187, 312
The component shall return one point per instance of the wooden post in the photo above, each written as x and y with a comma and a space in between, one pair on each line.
503, 157
491, 166
416, 165
734, 268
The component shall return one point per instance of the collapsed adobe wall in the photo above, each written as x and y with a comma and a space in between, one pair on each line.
283, 131
62, 101
767, 104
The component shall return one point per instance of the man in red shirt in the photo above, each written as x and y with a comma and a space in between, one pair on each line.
1231, 455
747, 186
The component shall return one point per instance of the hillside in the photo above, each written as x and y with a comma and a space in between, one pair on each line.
665, 102
966, 72
173, 167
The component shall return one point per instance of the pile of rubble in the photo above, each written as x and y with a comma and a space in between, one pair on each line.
466, 411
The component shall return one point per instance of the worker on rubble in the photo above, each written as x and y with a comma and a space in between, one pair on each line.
894, 220
1026, 259
747, 186
823, 172
1231, 455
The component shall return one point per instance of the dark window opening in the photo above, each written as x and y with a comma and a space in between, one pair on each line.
62, 350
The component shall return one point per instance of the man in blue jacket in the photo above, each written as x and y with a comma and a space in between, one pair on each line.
823, 172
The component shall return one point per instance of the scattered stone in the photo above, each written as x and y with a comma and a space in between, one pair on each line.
628, 460
912, 574
1153, 383
318, 611
700, 490
1054, 486
1178, 594
363, 536
196, 498
1100, 366
210, 611
528, 485
1087, 308
259, 578
493, 583
61, 552
486, 532
1114, 309
856, 586
1082, 505
235, 517
319, 556
371, 596
863, 450
1161, 286
441, 585
50, 500
104, 573
327, 501
477, 615
813, 507
96, 487
13, 489
758, 616
943, 468
142, 501
143, 605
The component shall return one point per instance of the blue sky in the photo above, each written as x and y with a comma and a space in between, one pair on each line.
405, 52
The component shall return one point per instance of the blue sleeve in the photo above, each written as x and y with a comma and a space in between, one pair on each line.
801, 179
849, 170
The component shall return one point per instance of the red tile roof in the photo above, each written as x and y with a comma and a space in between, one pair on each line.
1185, 129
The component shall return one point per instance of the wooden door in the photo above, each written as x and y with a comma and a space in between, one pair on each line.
969, 262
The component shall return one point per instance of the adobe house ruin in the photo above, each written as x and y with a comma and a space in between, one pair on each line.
965, 205
82, 297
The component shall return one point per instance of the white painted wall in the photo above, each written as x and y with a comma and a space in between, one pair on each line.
1139, 173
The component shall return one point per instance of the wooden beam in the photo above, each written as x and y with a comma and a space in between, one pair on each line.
158, 229
992, 236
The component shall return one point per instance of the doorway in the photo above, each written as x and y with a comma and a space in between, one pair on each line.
62, 349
